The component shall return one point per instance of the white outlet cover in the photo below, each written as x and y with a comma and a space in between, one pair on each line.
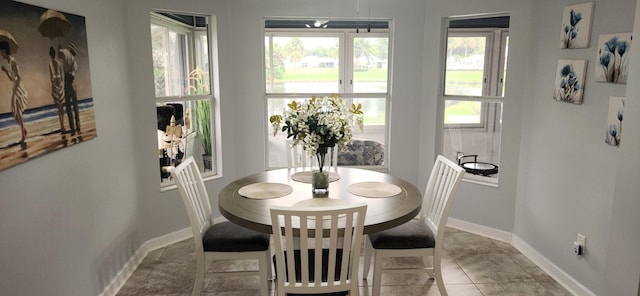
582, 240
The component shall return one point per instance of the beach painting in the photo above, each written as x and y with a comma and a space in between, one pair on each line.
46, 101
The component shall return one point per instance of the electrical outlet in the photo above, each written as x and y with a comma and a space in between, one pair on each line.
582, 241
577, 249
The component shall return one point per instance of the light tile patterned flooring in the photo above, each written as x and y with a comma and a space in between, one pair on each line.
472, 265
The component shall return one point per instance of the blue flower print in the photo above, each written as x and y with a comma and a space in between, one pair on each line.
575, 17
611, 57
569, 88
571, 31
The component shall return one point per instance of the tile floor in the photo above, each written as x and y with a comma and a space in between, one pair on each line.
472, 265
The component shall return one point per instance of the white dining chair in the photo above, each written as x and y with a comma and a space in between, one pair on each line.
317, 249
299, 160
421, 237
221, 241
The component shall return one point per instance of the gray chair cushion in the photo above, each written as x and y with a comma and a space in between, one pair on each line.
411, 235
229, 237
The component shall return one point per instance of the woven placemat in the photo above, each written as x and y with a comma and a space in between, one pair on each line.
265, 190
306, 176
374, 189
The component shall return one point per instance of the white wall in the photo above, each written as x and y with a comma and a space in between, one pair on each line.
556, 171
567, 175
623, 261
68, 220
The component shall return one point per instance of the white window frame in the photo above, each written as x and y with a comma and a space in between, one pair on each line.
492, 87
493, 74
345, 56
192, 53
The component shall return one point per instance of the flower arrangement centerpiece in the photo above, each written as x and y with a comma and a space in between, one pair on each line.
319, 123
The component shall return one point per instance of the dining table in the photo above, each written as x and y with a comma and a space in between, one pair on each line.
391, 201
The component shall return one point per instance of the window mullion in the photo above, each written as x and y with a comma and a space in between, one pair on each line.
346, 66
271, 64
504, 35
489, 78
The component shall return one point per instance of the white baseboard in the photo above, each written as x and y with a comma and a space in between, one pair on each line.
133, 262
478, 229
148, 246
556, 273
165, 240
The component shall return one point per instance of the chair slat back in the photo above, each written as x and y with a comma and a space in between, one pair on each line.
299, 160
194, 195
331, 163
308, 230
443, 183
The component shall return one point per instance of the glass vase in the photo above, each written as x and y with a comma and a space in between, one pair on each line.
320, 182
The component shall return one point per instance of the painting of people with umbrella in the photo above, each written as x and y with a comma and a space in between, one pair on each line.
54, 24
46, 101
9, 47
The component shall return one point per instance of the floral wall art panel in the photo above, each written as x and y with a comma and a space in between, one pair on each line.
46, 100
576, 26
613, 58
570, 81
614, 121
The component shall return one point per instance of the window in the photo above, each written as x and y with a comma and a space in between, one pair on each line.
184, 101
474, 81
348, 58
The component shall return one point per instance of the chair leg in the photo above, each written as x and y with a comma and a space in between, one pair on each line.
377, 273
367, 257
197, 285
438, 274
265, 274
428, 264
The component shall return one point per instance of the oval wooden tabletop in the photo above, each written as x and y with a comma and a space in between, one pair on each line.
382, 212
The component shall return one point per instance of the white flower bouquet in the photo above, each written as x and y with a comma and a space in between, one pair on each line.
319, 123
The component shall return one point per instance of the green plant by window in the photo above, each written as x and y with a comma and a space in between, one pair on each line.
199, 85
202, 123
